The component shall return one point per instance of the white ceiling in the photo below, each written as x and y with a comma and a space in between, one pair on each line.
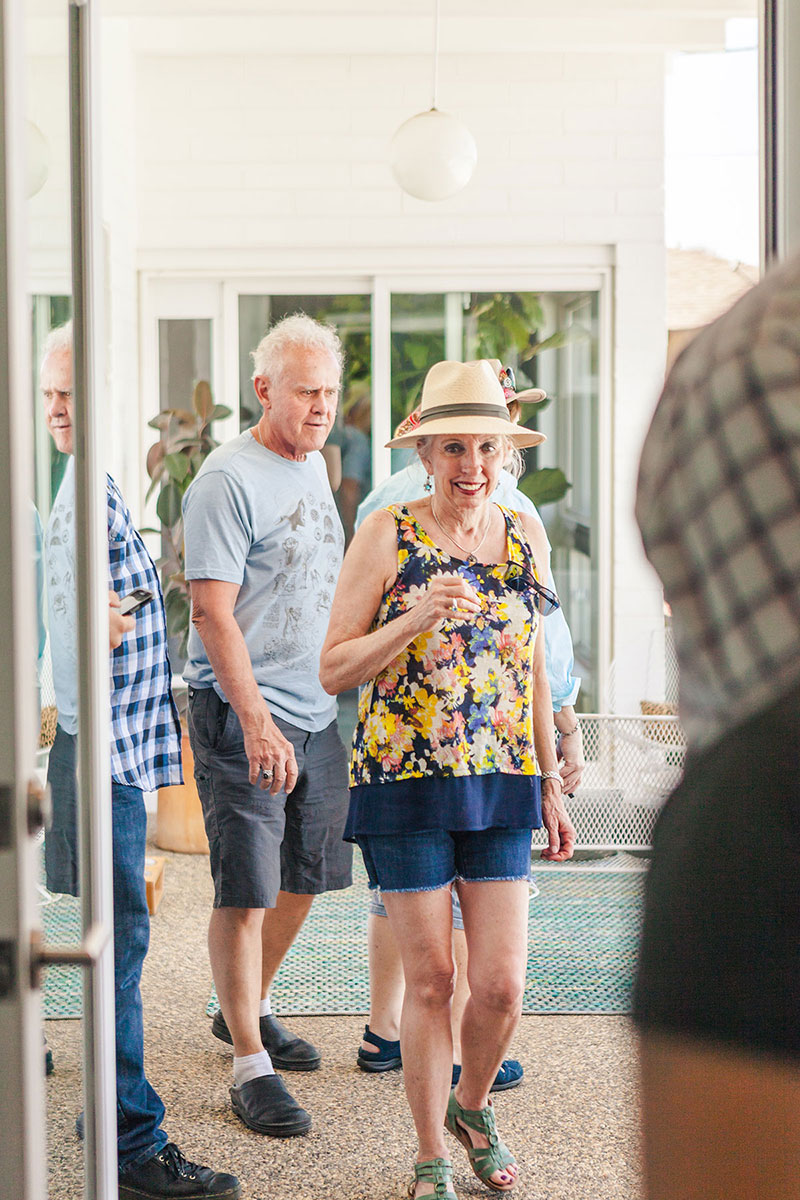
370, 27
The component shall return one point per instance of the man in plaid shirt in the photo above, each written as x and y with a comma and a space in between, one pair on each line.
719, 972
145, 755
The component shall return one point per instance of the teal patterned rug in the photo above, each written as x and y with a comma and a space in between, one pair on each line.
62, 995
583, 939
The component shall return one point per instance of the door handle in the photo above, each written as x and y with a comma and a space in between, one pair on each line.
85, 954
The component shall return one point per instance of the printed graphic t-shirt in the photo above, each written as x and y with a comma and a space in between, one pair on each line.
271, 526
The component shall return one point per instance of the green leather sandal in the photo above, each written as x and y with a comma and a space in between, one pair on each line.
439, 1171
484, 1160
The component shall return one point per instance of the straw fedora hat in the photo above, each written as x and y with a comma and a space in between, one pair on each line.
465, 398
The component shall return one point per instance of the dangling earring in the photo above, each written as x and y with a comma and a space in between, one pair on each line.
427, 486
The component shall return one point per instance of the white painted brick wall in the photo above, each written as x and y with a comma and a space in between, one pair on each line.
254, 159
262, 145
260, 154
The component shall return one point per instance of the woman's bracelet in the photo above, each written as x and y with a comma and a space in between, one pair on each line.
562, 733
553, 775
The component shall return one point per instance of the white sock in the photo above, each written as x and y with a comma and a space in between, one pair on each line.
251, 1066
265, 1007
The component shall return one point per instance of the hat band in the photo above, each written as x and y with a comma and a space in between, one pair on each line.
498, 411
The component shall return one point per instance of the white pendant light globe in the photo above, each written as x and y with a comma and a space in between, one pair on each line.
433, 155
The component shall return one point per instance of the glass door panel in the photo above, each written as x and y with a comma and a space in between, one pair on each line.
418, 337
58, 863
550, 340
68, 493
575, 526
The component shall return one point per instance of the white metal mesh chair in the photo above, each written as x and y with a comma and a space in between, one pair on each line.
632, 765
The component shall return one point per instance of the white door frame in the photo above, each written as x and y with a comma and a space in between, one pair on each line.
22, 1160
91, 560
779, 41
22, 803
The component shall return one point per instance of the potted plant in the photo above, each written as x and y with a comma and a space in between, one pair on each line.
172, 463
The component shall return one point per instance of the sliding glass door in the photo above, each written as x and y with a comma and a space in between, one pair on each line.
56, 978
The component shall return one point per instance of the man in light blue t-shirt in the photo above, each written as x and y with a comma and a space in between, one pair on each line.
264, 546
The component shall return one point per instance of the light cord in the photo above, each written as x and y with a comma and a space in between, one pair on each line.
435, 54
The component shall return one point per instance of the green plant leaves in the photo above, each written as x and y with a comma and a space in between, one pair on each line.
172, 464
178, 611
545, 486
563, 337
169, 504
178, 466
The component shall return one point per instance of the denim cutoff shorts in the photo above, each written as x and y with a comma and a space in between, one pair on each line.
433, 858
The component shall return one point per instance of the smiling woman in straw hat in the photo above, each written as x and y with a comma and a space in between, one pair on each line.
437, 612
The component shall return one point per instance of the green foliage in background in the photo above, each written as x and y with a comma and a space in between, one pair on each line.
544, 486
172, 463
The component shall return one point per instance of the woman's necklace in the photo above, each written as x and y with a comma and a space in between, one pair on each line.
471, 554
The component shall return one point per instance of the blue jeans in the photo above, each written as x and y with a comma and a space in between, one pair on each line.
139, 1108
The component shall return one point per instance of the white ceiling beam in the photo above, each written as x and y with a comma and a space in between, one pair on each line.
298, 34
451, 9
379, 27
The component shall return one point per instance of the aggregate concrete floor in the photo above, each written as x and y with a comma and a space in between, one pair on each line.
572, 1123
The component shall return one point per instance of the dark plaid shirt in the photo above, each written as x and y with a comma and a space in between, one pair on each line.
719, 508
145, 731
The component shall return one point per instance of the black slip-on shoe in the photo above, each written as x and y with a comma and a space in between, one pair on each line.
169, 1175
288, 1053
265, 1106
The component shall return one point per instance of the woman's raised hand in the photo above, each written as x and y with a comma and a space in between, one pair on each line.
446, 598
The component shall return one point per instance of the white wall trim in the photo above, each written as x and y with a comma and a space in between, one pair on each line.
363, 263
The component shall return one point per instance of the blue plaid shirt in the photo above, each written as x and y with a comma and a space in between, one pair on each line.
145, 730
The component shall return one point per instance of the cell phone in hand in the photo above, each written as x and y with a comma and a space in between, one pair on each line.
134, 601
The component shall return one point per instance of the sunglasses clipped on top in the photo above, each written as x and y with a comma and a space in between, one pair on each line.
520, 578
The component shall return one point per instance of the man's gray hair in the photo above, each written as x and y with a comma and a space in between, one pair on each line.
297, 330
58, 339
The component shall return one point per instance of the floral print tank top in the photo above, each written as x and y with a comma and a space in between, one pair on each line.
458, 700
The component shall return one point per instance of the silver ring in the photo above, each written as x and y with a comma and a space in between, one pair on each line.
267, 774
454, 605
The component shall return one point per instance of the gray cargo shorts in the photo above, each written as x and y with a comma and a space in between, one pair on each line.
261, 844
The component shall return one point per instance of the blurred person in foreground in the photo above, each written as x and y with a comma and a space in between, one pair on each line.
380, 1048
719, 976
437, 612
